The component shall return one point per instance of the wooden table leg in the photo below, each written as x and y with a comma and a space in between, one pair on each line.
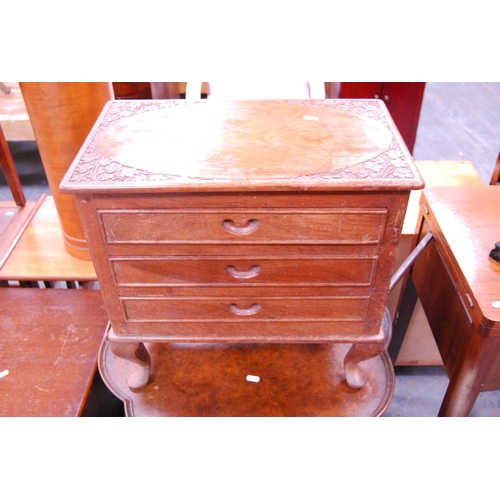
470, 374
136, 352
355, 376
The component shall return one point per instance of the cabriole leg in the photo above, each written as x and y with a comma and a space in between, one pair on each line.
136, 352
355, 376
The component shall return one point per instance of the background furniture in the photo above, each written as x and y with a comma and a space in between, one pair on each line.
412, 342
244, 90
49, 348
13, 114
14, 216
62, 115
40, 254
459, 285
146, 90
403, 100
213, 239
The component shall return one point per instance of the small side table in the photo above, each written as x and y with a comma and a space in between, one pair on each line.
458, 283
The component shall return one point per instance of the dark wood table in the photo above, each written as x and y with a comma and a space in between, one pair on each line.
458, 285
49, 344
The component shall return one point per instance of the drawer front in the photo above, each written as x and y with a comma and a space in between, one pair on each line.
155, 309
196, 271
346, 226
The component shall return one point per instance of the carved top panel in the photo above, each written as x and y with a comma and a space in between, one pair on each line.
174, 145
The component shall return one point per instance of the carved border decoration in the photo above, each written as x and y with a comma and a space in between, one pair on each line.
94, 168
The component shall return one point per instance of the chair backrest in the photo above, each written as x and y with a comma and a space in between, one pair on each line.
10, 172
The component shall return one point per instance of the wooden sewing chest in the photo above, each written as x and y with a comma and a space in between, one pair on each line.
244, 222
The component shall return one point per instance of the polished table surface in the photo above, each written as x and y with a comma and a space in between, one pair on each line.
419, 347
49, 343
459, 286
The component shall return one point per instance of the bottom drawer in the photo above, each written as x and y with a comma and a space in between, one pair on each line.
210, 309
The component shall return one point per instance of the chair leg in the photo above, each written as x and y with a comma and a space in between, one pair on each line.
9, 170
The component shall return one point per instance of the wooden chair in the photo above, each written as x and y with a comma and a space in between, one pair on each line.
14, 216
10, 172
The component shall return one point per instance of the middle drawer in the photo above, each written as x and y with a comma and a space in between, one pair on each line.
196, 271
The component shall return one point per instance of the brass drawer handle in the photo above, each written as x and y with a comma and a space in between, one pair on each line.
247, 228
251, 272
249, 311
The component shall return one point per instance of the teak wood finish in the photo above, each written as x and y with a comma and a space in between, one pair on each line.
458, 284
244, 222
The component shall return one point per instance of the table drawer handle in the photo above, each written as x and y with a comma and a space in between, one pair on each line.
247, 228
251, 272
249, 311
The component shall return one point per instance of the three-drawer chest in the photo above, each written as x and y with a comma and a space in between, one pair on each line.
243, 222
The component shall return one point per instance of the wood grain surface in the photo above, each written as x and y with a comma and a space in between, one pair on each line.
49, 342
190, 380
300, 201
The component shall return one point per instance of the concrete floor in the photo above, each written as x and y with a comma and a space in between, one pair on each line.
458, 121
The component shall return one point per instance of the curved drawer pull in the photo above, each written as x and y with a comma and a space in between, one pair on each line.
248, 228
236, 309
251, 272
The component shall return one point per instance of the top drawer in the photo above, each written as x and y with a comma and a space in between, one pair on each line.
347, 226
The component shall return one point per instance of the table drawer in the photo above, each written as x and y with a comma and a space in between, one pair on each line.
159, 309
347, 226
196, 271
